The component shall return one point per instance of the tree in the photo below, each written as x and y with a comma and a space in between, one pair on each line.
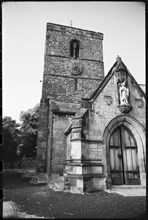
11, 138
29, 130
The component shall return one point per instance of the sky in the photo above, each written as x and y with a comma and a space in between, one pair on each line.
23, 42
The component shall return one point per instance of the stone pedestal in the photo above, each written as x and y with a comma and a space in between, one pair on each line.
124, 108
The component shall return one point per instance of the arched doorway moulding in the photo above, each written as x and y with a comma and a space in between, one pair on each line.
138, 131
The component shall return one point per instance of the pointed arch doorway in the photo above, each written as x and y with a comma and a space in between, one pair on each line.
124, 140
124, 167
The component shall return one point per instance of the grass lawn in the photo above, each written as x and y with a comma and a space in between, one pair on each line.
41, 201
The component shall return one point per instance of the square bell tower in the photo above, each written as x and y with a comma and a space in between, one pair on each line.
73, 69
73, 63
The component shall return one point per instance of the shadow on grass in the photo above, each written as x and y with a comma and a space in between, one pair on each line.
12, 180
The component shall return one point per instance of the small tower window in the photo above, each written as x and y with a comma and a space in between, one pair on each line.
74, 48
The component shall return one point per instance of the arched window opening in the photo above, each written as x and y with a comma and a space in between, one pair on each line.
74, 49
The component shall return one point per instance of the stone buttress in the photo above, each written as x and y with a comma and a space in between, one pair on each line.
84, 168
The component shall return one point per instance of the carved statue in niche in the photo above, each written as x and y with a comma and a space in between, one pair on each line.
123, 93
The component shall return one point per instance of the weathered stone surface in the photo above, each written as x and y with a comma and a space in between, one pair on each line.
79, 109
39, 178
62, 89
59, 83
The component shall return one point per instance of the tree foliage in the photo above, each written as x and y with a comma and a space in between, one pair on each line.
21, 136
11, 138
29, 130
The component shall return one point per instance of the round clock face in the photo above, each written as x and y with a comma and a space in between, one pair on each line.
75, 67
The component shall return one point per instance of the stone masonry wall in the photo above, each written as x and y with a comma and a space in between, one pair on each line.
105, 110
60, 123
58, 38
138, 103
42, 136
92, 151
57, 65
65, 80
102, 111
59, 81
68, 89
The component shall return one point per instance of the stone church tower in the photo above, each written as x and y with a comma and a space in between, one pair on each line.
73, 69
91, 127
